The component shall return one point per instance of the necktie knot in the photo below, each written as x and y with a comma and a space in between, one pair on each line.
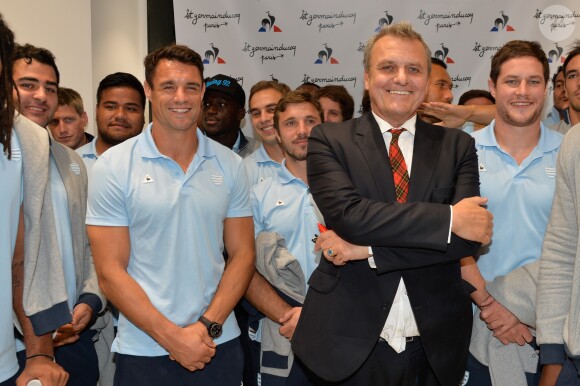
396, 133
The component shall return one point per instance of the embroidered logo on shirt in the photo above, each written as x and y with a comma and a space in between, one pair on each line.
147, 179
16, 155
76, 169
216, 179
279, 202
550, 172
482, 168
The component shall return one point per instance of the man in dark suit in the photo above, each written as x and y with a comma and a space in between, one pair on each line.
399, 314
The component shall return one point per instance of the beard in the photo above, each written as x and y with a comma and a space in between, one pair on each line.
517, 121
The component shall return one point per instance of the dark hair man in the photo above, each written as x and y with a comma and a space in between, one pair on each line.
223, 111
172, 192
337, 104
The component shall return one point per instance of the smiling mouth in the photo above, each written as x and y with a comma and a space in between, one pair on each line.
399, 92
180, 110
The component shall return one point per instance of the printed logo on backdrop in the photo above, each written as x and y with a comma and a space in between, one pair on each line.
384, 21
445, 20
325, 56
270, 52
501, 24
484, 49
443, 54
329, 20
268, 24
555, 55
212, 56
330, 79
212, 20
556, 22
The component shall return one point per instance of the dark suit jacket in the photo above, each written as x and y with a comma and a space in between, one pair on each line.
346, 307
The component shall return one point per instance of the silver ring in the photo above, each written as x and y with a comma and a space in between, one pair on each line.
330, 252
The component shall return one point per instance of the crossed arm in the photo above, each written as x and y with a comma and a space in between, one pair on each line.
191, 345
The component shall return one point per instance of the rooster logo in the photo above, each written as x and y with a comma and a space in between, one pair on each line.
555, 56
384, 21
211, 56
325, 56
501, 24
268, 24
442, 54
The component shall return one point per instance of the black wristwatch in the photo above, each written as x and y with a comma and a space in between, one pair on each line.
214, 329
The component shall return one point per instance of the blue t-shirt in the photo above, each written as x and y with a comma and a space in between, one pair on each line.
88, 153
260, 166
520, 199
10, 202
175, 222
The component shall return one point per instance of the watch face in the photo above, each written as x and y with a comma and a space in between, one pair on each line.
215, 330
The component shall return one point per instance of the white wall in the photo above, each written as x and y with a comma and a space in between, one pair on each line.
89, 39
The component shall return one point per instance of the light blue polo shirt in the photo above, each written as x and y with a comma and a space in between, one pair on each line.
283, 204
520, 199
10, 201
175, 222
260, 166
88, 153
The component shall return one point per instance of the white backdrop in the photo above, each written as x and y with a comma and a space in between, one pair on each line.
322, 41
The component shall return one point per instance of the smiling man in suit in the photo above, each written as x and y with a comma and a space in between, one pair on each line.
400, 312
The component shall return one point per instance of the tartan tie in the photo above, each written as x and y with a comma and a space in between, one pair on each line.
399, 167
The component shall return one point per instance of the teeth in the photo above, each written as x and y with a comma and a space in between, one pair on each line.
36, 108
180, 110
399, 92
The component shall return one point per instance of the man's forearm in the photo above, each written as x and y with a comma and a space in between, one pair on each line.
470, 273
263, 296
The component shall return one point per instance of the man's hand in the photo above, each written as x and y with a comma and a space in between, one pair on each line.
43, 369
192, 347
471, 221
289, 321
519, 334
341, 251
449, 114
69, 333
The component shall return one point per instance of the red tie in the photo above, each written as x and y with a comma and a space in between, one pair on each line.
399, 167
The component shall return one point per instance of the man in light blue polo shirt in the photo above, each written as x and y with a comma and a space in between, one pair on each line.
162, 208
517, 167
265, 161
120, 114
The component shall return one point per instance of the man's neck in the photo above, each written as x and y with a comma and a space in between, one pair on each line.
101, 146
297, 168
179, 145
517, 141
227, 139
274, 151
574, 116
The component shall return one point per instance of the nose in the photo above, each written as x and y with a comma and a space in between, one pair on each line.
522, 88
448, 96
180, 95
120, 114
40, 94
401, 75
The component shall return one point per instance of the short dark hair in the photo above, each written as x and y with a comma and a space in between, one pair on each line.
294, 97
338, 94
28, 53
471, 94
119, 80
574, 51
518, 49
180, 53
558, 71
6, 86
438, 62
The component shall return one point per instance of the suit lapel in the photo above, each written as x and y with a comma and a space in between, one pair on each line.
425, 153
371, 144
